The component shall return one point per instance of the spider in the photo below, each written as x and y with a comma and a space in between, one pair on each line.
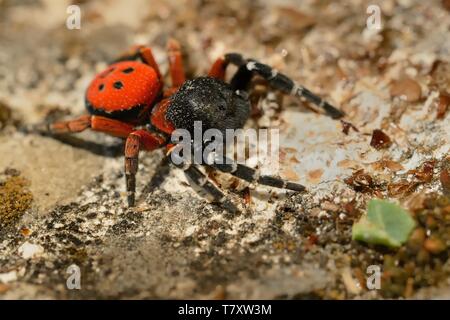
128, 100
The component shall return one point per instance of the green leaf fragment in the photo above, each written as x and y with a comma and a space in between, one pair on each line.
385, 223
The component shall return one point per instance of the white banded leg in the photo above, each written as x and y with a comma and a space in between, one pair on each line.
251, 175
247, 67
199, 180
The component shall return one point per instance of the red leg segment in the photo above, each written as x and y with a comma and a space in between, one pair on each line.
158, 117
218, 69
169, 92
146, 55
132, 147
175, 63
137, 140
72, 126
112, 127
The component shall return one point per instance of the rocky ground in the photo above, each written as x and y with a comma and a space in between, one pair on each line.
62, 204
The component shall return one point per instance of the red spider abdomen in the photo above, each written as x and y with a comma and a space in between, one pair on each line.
123, 86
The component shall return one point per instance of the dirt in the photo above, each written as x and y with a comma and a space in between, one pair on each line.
15, 199
67, 199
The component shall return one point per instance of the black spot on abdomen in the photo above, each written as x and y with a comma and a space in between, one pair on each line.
118, 85
128, 70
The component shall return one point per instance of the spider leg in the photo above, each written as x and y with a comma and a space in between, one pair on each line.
59, 127
136, 141
201, 183
252, 175
248, 67
176, 67
109, 126
62, 131
143, 53
218, 69
158, 117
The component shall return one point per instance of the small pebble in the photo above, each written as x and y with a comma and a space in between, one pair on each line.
29, 250
434, 245
407, 89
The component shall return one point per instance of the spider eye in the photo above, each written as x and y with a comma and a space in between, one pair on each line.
101, 87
